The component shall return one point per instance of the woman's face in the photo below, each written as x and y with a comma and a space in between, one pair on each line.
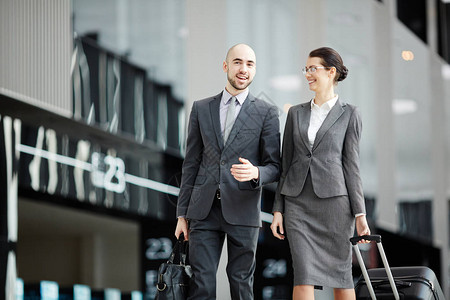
322, 78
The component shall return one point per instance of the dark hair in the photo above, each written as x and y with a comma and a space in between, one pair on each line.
331, 58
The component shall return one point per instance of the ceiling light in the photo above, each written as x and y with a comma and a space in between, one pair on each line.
404, 106
407, 55
445, 70
287, 83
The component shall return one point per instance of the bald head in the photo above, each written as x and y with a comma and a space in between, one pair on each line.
240, 48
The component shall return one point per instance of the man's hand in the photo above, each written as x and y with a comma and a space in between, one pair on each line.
182, 227
244, 171
277, 225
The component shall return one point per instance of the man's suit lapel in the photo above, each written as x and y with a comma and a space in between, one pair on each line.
243, 115
331, 118
214, 107
304, 114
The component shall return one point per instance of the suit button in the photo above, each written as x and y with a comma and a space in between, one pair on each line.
309, 155
222, 162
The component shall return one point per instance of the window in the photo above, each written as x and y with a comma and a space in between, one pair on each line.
413, 13
416, 219
443, 28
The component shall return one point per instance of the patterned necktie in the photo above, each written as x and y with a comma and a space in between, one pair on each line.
229, 121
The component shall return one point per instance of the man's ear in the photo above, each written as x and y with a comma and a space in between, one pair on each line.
225, 66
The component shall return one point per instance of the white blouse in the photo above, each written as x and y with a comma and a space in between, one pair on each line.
318, 115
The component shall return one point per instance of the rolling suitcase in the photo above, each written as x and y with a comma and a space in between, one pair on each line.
396, 283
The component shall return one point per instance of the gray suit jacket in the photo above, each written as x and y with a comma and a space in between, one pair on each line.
206, 167
333, 160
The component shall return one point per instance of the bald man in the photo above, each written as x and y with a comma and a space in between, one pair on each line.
232, 150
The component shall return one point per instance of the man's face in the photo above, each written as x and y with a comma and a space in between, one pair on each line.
240, 67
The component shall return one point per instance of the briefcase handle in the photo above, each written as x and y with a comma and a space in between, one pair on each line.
181, 248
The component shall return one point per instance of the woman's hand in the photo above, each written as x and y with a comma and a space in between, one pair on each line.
277, 225
362, 228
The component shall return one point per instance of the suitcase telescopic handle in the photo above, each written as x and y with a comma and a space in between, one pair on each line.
376, 238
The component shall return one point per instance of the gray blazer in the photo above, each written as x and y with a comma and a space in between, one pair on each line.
255, 136
333, 161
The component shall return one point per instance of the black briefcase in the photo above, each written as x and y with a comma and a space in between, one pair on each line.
395, 283
174, 275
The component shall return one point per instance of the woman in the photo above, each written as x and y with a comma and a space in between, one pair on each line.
319, 197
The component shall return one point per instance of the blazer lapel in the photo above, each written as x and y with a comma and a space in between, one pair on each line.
304, 115
214, 107
243, 115
331, 118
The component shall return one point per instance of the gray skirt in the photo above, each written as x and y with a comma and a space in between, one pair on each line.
318, 231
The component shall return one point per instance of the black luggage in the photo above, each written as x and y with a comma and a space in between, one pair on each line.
410, 282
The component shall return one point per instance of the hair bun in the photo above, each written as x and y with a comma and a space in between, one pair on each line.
330, 58
343, 73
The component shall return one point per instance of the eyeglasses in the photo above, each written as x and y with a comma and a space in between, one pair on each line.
312, 70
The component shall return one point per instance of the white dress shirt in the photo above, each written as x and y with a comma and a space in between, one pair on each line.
225, 103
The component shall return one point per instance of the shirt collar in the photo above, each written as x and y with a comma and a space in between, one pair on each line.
240, 97
327, 105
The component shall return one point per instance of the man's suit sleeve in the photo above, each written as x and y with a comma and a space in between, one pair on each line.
286, 159
269, 167
191, 163
350, 163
